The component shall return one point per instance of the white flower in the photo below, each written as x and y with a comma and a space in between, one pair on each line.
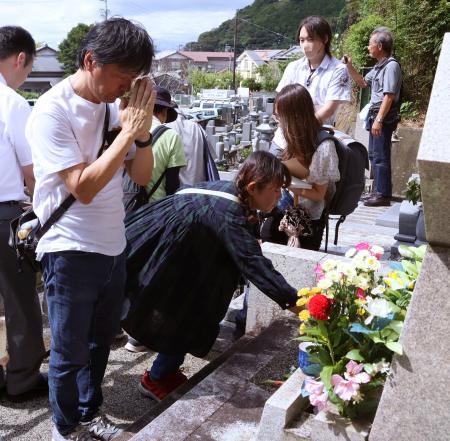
324, 283
350, 253
334, 276
382, 366
363, 253
377, 250
378, 290
373, 263
362, 282
329, 265
376, 308
346, 269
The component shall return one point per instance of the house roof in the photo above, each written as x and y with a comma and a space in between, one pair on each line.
164, 54
203, 57
288, 53
261, 56
46, 60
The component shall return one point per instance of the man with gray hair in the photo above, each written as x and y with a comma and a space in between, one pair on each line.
385, 80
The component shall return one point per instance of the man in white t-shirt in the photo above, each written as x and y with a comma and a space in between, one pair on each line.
22, 310
325, 77
83, 254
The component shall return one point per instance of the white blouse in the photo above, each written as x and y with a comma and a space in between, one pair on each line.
324, 169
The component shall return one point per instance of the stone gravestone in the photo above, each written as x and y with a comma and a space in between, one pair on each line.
246, 131
415, 405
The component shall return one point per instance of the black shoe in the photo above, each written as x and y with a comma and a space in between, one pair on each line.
38, 390
378, 201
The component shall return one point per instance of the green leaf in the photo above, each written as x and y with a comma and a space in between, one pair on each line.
325, 376
395, 346
354, 355
395, 325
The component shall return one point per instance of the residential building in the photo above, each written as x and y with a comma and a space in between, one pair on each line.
170, 61
47, 71
249, 61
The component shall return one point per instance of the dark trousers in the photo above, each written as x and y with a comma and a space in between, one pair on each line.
165, 365
22, 314
84, 295
380, 159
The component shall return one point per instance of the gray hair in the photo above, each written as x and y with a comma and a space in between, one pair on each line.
383, 35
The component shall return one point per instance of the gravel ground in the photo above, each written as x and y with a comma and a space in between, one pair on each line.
280, 368
123, 404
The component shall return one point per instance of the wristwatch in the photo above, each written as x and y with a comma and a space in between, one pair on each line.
142, 144
379, 120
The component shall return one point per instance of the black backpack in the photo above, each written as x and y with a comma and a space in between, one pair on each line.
353, 161
135, 195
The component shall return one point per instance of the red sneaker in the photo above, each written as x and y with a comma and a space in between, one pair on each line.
159, 389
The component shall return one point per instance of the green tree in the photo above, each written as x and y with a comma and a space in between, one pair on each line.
357, 39
252, 84
200, 79
68, 49
270, 75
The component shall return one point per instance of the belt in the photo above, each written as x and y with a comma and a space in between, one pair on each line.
9, 202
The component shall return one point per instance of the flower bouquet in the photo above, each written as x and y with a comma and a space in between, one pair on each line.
353, 319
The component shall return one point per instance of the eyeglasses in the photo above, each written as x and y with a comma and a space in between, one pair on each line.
309, 79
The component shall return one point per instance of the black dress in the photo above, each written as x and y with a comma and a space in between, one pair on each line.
185, 256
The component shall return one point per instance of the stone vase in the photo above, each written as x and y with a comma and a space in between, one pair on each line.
420, 227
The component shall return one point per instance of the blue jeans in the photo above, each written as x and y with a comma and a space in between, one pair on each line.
165, 365
380, 158
84, 294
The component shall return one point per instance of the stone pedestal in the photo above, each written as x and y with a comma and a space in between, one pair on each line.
416, 400
297, 266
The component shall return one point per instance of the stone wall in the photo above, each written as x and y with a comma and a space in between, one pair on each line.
415, 403
403, 154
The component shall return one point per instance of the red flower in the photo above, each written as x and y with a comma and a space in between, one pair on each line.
318, 306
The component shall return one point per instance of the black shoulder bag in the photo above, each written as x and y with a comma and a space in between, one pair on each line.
26, 230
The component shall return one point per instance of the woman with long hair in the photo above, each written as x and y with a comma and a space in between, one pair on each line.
306, 157
186, 255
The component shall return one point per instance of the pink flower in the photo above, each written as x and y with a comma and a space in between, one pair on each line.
318, 396
360, 293
354, 372
348, 388
362, 246
344, 389
318, 269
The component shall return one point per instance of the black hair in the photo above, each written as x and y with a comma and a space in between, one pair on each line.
264, 169
317, 26
158, 108
13, 40
119, 41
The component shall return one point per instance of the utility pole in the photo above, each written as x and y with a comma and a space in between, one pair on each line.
105, 11
234, 50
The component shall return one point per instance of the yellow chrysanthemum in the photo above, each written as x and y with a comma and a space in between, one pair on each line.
302, 301
314, 291
304, 315
303, 292
302, 328
361, 311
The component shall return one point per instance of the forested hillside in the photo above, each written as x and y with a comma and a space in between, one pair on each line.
254, 21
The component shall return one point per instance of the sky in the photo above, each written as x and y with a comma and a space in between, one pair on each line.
170, 23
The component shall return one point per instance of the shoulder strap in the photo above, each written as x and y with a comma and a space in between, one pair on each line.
220, 194
322, 136
56, 215
156, 134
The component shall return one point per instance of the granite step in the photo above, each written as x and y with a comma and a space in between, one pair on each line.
222, 399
